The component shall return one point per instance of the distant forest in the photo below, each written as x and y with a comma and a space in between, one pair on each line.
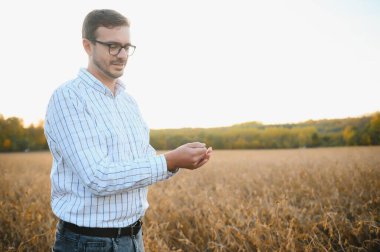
251, 135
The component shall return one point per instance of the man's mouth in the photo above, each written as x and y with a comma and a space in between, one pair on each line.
118, 63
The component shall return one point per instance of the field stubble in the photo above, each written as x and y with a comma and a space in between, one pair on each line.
266, 200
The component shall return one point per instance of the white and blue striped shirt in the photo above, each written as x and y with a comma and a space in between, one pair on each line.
102, 159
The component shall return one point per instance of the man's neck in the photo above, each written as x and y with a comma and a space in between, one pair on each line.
110, 83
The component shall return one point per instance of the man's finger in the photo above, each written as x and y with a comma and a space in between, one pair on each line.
199, 151
202, 162
209, 150
196, 145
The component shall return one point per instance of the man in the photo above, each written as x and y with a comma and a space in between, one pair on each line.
102, 159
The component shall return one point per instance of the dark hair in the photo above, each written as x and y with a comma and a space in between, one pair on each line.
98, 18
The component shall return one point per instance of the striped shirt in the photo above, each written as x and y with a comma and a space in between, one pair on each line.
102, 159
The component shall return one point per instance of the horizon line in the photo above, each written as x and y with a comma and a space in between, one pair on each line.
37, 122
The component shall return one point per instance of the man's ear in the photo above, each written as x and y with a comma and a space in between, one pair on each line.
87, 46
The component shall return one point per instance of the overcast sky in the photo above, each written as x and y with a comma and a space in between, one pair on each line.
205, 63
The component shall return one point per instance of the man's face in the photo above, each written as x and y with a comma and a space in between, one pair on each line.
107, 65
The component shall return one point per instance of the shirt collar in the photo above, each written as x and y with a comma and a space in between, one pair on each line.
120, 87
90, 80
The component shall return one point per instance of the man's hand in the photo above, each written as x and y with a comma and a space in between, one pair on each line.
189, 156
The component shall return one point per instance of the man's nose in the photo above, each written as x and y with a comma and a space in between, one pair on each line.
122, 53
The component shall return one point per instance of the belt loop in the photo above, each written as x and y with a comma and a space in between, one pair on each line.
118, 232
132, 233
61, 226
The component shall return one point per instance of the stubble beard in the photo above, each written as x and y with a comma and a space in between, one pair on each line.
105, 69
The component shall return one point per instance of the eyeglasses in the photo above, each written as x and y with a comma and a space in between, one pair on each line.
115, 48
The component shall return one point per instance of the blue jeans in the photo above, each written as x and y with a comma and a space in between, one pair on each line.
66, 241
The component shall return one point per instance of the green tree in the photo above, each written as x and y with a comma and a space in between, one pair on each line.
315, 139
365, 139
350, 135
374, 129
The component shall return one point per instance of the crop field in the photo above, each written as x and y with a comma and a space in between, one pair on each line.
325, 199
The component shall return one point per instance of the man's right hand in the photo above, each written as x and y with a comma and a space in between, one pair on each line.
190, 156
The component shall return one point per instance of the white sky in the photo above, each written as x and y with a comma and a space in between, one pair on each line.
205, 63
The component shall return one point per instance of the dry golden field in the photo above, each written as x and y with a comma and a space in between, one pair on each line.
266, 200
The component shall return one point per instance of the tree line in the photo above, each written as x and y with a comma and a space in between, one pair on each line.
15, 137
251, 135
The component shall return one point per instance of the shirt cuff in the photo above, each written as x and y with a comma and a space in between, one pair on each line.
160, 169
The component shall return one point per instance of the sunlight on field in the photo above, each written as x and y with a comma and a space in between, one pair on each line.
288, 200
